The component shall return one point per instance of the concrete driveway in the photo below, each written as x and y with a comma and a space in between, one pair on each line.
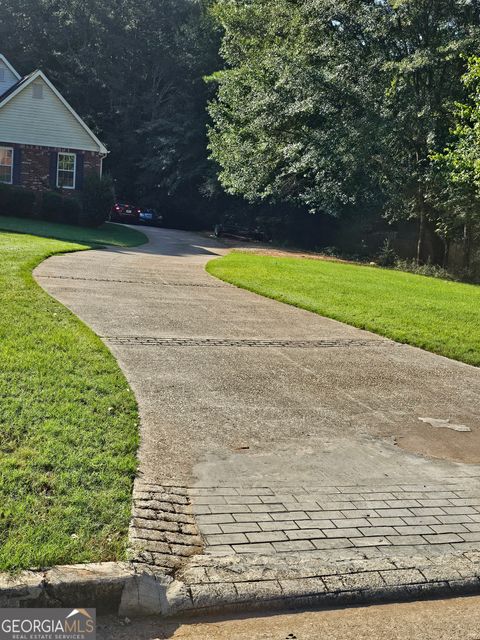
291, 433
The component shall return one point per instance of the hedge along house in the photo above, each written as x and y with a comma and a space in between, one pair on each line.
44, 144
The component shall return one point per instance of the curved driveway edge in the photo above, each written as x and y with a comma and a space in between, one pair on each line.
270, 438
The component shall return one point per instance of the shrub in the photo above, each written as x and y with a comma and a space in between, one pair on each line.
72, 211
57, 208
97, 200
51, 206
16, 201
387, 256
431, 270
331, 252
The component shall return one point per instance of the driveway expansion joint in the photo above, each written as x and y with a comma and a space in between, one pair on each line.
246, 342
157, 283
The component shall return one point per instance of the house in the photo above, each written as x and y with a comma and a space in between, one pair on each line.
44, 144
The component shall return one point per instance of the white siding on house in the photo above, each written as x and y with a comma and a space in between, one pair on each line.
42, 121
7, 78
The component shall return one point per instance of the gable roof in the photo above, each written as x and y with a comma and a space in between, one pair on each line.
23, 83
9, 66
14, 87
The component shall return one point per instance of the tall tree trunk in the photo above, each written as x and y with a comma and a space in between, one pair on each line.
466, 245
446, 252
421, 234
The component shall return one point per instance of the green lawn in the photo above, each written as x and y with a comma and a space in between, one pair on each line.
437, 315
68, 419
113, 234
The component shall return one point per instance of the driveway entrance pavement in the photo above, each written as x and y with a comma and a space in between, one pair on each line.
273, 437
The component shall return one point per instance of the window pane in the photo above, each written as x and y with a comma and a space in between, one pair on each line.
5, 174
37, 91
66, 170
6, 164
66, 162
6, 156
65, 178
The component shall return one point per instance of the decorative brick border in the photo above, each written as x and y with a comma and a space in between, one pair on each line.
281, 519
163, 533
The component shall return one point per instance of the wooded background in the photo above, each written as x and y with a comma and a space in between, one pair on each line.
330, 123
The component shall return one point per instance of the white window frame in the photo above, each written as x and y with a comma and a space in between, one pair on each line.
63, 153
6, 165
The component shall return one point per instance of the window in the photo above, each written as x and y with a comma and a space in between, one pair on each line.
2, 74
37, 90
66, 170
6, 165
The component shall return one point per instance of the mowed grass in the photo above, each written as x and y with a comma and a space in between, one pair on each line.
68, 419
111, 234
436, 315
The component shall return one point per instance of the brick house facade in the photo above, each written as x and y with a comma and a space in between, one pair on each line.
38, 171
35, 167
44, 144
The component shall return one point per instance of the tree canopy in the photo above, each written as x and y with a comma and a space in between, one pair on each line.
339, 103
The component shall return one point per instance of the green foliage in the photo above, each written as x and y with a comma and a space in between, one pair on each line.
339, 104
91, 211
68, 420
97, 200
325, 106
387, 256
295, 117
430, 270
459, 164
55, 207
440, 316
16, 200
424, 72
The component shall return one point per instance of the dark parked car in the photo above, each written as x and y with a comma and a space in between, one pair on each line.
125, 213
131, 214
150, 216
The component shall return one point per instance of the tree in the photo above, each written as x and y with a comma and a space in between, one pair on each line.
459, 167
338, 104
175, 159
429, 38
295, 118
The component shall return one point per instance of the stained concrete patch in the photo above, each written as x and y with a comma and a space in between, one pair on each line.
444, 424
311, 461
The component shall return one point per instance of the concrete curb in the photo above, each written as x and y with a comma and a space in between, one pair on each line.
215, 600
90, 585
136, 590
